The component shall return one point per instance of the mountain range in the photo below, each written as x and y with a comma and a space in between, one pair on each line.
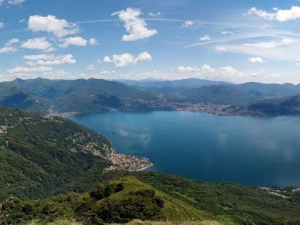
53, 168
96, 95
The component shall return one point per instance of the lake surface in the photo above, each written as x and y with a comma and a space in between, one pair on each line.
252, 151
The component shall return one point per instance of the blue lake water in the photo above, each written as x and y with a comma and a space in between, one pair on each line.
252, 151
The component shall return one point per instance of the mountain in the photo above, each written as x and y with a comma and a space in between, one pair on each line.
148, 196
92, 95
41, 156
184, 83
97, 95
53, 168
272, 107
18, 97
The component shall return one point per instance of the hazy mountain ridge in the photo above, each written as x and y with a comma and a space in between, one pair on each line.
96, 95
272, 107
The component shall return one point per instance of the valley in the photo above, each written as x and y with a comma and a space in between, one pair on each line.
68, 170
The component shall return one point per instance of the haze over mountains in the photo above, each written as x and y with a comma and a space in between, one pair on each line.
96, 95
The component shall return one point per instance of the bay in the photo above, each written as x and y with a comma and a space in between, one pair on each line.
246, 150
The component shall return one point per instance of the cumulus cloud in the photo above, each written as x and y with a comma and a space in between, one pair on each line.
12, 41
50, 24
205, 38
48, 59
8, 48
127, 59
38, 43
29, 69
207, 69
228, 70
77, 41
261, 13
107, 72
188, 23
280, 15
135, 26
93, 41
183, 69
256, 60
107, 59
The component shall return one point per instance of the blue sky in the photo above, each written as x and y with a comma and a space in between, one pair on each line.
235, 41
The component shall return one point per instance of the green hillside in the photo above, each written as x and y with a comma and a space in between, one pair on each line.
123, 197
118, 201
271, 107
40, 156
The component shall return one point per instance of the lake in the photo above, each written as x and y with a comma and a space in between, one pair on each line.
246, 150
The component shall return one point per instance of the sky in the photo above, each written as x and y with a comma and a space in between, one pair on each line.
235, 40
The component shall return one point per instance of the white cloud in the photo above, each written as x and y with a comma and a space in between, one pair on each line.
90, 67
225, 32
187, 23
205, 38
48, 59
228, 70
144, 56
16, 2
285, 15
276, 50
12, 41
107, 72
50, 24
38, 43
274, 75
183, 69
1, 25
93, 41
29, 69
207, 69
22, 21
272, 44
155, 14
107, 59
136, 27
127, 59
256, 60
77, 41
1, 2
261, 13
280, 15
8, 48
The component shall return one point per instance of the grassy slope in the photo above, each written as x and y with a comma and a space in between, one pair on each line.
221, 199
84, 208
